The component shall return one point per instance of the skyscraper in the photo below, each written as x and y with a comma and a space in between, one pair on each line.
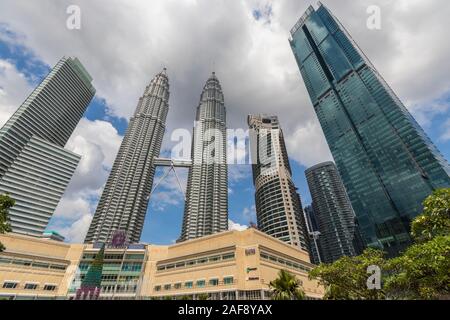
123, 204
333, 211
206, 207
278, 207
386, 161
34, 167
312, 227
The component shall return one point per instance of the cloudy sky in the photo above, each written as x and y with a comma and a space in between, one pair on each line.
123, 44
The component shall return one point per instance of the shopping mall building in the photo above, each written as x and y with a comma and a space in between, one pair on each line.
230, 265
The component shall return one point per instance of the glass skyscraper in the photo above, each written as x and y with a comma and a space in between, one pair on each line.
385, 159
206, 207
123, 204
35, 169
333, 213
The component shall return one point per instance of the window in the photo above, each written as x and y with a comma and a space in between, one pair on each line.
177, 286
49, 287
228, 280
10, 285
57, 267
228, 256
157, 288
113, 256
188, 284
167, 287
202, 260
134, 257
109, 277
201, 283
191, 263
41, 265
30, 286
22, 262
5, 260
213, 282
131, 267
214, 259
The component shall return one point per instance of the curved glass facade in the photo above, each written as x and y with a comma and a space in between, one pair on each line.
386, 161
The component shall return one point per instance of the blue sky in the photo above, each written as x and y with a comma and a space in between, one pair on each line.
123, 47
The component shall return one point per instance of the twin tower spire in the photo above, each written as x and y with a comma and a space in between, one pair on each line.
123, 204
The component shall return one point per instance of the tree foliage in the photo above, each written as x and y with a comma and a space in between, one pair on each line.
435, 219
6, 202
286, 287
203, 296
421, 272
346, 278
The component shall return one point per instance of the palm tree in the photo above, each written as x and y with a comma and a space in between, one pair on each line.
286, 287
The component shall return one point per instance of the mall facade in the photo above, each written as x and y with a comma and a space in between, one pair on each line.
234, 265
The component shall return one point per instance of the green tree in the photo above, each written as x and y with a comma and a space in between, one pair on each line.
435, 219
346, 278
422, 272
6, 202
202, 296
286, 287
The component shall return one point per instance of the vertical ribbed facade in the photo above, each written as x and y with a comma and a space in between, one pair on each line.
123, 204
206, 207
34, 168
333, 211
385, 159
278, 206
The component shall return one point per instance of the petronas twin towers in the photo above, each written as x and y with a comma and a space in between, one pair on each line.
123, 204
206, 209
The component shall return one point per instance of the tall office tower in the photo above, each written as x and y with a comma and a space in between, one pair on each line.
278, 206
35, 169
386, 161
206, 208
123, 204
312, 227
333, 211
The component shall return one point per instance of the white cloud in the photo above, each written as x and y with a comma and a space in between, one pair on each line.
233, 226
252, 57
14, 88
427, 112
446, 131
168, 192
76, 231
238, 172
249, 214
307, 145
97, 142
